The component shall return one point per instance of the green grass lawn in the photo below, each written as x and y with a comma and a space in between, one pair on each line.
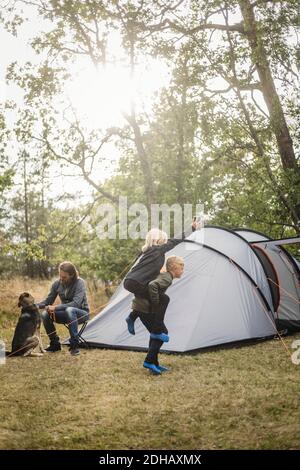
236, 398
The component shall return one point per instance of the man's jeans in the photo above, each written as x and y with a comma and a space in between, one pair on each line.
70, 316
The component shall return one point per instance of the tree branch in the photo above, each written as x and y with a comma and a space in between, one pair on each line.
87, 212
80, 165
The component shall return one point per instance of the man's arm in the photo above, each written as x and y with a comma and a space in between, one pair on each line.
51, 296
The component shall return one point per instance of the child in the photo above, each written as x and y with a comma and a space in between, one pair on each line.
152, 313
149, 266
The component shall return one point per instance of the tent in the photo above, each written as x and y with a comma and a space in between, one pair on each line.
230, 291
283, 275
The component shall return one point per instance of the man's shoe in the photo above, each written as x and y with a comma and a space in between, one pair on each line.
163, 368
74, 347
74, 351
53, 347
162, 337
130, 325
152, 367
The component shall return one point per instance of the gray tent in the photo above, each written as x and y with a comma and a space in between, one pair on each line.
283, 275
226, 294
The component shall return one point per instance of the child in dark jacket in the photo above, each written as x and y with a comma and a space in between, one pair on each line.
149, 265
152, 313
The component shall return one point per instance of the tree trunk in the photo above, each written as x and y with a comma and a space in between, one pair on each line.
28, 261
143, 158
138, 138
260, 60
181, 122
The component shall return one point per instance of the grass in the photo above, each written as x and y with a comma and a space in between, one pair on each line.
235, 398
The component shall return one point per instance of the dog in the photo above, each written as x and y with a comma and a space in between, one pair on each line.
27, 333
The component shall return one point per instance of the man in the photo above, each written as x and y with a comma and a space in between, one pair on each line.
74, 308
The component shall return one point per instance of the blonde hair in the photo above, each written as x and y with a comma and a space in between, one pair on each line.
154, 237
173, 261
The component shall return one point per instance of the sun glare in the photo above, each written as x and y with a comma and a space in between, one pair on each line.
103, 95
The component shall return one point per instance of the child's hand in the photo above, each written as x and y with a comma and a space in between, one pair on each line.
196, 224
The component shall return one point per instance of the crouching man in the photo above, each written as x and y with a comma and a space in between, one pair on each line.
73, 310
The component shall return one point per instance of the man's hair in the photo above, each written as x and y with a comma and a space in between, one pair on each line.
172, 261
70, 268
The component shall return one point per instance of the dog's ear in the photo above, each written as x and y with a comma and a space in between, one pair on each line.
25, 299
20, 300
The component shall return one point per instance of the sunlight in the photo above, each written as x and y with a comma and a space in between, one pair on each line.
101, 96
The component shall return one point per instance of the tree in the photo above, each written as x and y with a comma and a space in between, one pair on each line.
224, 130
247, 71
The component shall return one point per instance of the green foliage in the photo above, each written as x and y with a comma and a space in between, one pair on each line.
6, 180
39, 82
6, 173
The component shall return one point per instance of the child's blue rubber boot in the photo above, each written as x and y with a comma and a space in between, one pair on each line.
161, 336
130, 325
152, 367
163, 368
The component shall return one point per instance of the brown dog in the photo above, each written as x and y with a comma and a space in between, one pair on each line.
27, 333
